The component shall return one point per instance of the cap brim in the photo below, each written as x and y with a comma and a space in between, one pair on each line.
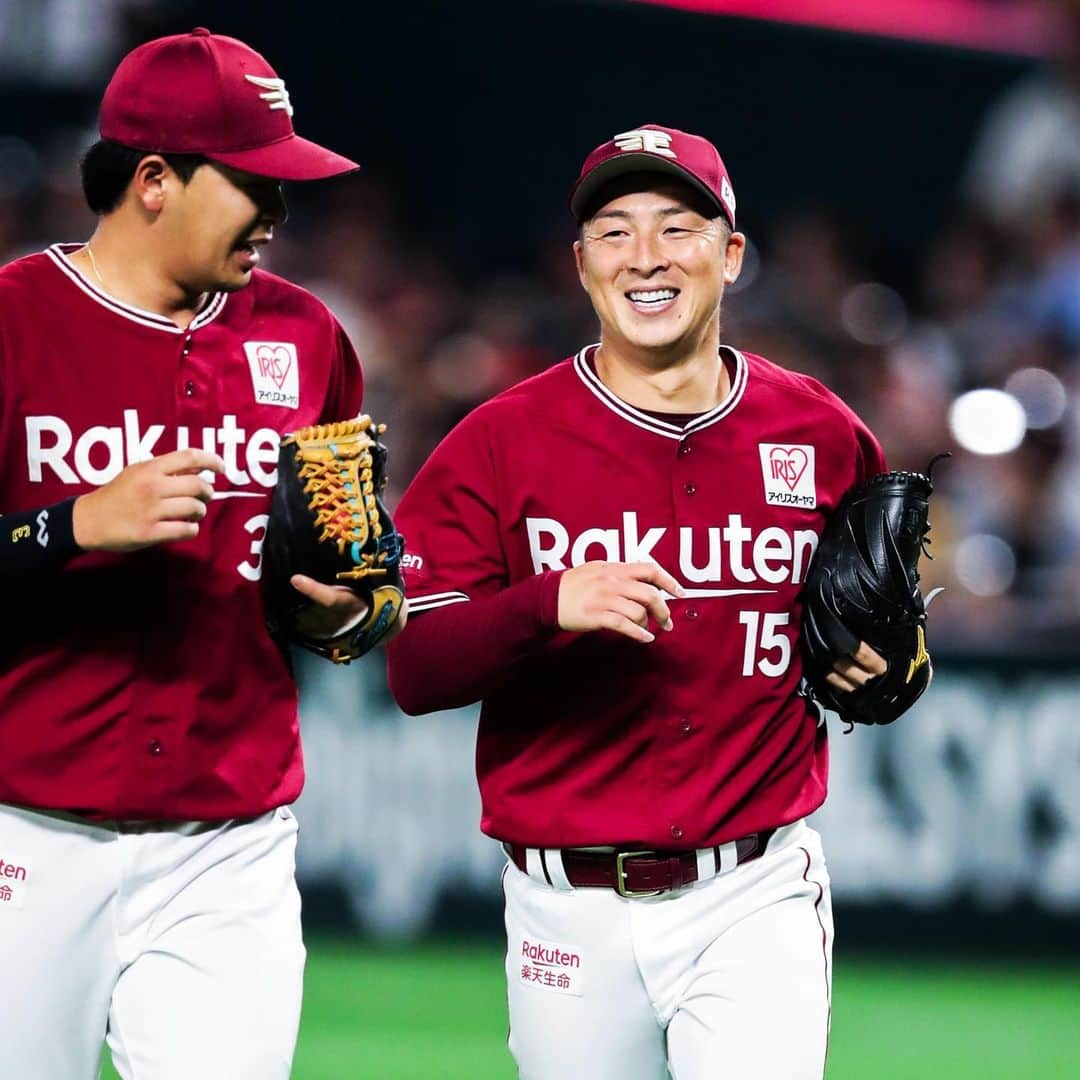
292, 158
608, 170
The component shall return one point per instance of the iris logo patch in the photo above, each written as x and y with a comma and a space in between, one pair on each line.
788, 473
275, 374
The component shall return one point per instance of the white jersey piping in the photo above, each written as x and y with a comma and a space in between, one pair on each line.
435, 600
649, 423
59, 254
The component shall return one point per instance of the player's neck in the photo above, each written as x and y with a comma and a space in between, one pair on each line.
135, 277
687, 381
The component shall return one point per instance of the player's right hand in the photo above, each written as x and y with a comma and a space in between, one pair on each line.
151, 502
856, 668
616, 596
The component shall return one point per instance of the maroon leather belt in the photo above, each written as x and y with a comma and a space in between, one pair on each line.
638, 873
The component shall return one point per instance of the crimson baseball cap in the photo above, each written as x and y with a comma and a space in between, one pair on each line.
203, 93
652, 148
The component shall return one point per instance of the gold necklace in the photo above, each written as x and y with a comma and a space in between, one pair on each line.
97, 273
93, 263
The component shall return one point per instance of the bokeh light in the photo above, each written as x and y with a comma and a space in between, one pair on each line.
985, 564
987, 421
1042, 395
874, 314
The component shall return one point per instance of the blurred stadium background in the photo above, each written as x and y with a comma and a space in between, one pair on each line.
909, 178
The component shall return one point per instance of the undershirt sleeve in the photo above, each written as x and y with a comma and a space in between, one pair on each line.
36, 542
470, 622
456, 655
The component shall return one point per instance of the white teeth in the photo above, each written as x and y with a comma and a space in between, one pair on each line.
652, 296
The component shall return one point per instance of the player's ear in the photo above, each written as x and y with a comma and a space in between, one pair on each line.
148, 182
733, 257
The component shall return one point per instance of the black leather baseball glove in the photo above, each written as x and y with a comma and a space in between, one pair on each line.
863, 585
327, 521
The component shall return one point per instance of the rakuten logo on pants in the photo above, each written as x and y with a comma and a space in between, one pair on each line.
100, 453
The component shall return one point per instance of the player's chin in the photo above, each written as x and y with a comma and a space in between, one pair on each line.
661, 337
232, 279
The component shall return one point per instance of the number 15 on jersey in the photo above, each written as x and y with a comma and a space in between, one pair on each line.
767, 649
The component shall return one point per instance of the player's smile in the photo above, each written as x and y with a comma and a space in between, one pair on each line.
217, 224
652, 301
247, 250
255, 205
655, 268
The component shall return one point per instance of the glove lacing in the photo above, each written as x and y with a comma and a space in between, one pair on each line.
342, 494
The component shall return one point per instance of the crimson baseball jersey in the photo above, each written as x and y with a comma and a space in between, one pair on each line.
701, 736
145, 685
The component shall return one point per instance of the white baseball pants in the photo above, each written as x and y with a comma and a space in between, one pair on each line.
725, 979
181, 941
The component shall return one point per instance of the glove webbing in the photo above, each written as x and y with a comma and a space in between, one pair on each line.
342, 493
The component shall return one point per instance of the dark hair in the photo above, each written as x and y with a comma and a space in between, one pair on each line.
108, 167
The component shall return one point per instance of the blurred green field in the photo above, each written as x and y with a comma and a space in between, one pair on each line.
438, 1012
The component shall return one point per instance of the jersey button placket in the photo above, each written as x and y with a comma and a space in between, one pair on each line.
187, 385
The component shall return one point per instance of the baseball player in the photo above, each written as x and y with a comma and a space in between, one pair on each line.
149, 729
609, 556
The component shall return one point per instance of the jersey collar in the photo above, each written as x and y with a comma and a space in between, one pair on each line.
59, 253
587, 373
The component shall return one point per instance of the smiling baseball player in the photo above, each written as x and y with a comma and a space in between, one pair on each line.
149, 723
610, 555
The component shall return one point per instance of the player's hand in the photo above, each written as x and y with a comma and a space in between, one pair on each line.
336, 609
150, 502
616, 596
856, 669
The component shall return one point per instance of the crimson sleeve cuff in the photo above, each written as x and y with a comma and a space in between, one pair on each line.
549, 599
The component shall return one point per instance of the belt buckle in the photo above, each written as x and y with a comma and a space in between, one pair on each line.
620, 876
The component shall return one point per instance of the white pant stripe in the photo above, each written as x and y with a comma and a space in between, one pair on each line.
556, 870
534, 867
729, 857
706, 864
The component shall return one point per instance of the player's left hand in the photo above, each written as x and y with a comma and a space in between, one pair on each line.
335, 609
856, 669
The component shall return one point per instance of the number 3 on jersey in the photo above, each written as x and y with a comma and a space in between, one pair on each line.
763, 636
256, 526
